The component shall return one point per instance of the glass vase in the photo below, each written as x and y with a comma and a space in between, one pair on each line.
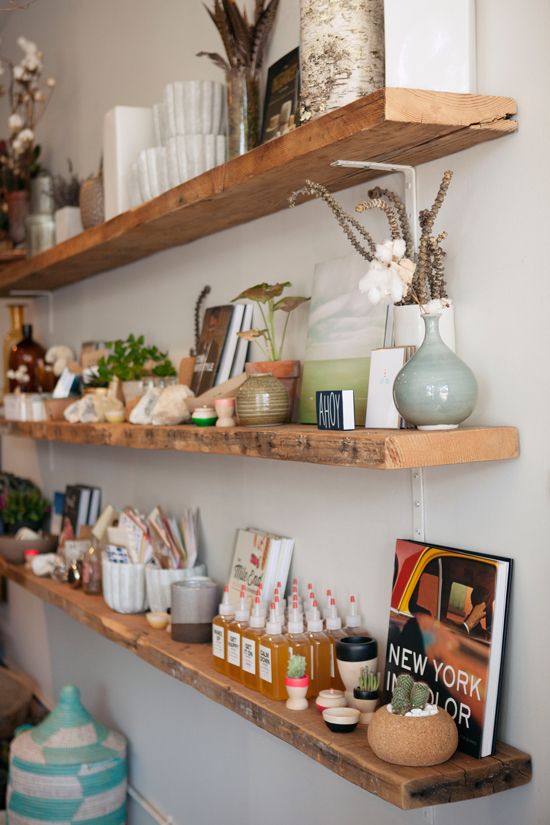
435, 390
243, 111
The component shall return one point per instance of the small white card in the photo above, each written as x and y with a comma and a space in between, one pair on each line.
384, 366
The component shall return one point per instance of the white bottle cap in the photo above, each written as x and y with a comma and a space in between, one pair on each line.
274, 626
257, 619
243, 613
353, 619
333, 620
295, 621
226, 608
314, 622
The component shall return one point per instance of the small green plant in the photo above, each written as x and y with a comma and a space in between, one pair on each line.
269, 301
408, 694
368, 681
131, 360
296, 667
22, 505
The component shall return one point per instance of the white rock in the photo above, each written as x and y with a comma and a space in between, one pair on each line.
44, 564
143, 411
171, 408
72, 413
91, 409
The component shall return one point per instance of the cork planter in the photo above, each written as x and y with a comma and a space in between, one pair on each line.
415, 741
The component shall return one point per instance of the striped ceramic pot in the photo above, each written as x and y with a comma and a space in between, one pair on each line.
262, 399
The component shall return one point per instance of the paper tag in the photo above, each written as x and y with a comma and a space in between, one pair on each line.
249, 656
218, 634
234, 648
265, 663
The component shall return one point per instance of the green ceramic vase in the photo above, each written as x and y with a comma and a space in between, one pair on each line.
435, 390
262, 400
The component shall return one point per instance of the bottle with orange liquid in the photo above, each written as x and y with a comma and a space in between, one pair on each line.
320, 652
220, 623
298, 642
273, 658
234, 637
334, 631
250, 653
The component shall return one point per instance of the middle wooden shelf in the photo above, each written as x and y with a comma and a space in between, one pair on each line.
372, 449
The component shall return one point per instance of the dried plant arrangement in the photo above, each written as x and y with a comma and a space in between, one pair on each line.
66, 190
205, 291
244, 41
396, 274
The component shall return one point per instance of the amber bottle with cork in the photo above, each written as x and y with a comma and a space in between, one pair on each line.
321, 645
220, 624
273, 658
15, 334
234, 637
29, 356
298, 642
250, 647
333, 629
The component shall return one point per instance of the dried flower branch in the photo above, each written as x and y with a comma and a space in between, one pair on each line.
380, 203
198, 304
346, 221
399, 207
427, 217
244, 42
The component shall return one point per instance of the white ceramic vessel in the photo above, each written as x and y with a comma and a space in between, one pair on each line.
194, 107
409, 328
159, 583
124, 587
191, 155
67, 223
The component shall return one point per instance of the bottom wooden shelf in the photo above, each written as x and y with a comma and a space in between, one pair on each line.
348, 756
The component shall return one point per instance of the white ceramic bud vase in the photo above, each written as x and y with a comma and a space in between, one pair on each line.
409, 328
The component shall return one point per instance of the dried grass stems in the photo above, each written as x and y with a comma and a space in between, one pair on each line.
244, 41
429, 277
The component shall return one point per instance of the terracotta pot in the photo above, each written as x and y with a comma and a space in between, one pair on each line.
412, 740
18, 209
288, 372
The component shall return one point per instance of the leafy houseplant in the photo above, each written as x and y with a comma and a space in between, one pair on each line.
21, 504
132, 360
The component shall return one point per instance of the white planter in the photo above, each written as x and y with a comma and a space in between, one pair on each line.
159, 584
191, 155
194, 107
409, 329
126, 131
67, 223
431, 44
124, 587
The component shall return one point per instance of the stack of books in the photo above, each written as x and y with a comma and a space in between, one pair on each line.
221, 353
81, 507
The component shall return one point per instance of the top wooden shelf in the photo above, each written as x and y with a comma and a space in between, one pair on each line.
349, 756
391, 125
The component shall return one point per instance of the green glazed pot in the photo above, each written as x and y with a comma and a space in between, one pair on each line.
435, 390
262, 400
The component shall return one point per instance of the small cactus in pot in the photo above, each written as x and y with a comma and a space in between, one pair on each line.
365, 695
297, 683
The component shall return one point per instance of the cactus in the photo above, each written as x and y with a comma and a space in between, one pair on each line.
405, 682
419, 695
401, 701
296, 667
368, 681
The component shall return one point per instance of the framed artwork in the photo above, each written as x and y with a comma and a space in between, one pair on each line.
282, 97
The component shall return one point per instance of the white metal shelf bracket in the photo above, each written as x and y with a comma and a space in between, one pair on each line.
410, 199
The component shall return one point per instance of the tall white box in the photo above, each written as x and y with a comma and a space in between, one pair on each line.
126, 131
431, 44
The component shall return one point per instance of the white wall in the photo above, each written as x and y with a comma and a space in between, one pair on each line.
197, 761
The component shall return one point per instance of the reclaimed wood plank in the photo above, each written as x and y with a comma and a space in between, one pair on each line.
462, 777
372, 449
399, 125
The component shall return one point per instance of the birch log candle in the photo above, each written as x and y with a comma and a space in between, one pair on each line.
341, 52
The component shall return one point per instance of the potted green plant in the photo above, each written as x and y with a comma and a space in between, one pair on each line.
131, 361
297, 683
22, 505
365, 695
271, 337
410, 730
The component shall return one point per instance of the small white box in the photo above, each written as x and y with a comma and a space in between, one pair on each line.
431, 44
127, 130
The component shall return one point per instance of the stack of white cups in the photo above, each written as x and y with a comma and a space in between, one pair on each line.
189, 126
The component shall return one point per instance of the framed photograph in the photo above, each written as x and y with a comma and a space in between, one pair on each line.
282, 97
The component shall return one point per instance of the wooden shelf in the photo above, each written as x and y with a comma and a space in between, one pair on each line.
392, 125
348, 756
373, 449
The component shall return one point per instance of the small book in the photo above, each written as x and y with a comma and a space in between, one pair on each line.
95, 505
385, 363
259, 558
77, 505
448, 618
215, 326
335, 410
230, 346
242, 344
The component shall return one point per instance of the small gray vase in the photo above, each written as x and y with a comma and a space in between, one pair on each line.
435, 390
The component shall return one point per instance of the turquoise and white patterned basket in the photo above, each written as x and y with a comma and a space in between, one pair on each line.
68, 769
